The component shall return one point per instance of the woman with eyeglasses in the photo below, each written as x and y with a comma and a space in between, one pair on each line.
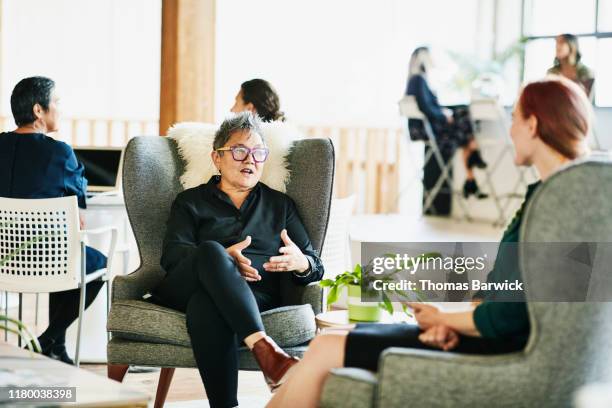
227, 243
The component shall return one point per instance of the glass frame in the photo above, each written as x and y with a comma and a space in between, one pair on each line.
594, 34
249, 152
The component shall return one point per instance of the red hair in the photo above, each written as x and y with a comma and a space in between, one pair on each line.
563, 113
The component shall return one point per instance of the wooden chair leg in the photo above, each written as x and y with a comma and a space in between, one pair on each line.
165, 378
117, 371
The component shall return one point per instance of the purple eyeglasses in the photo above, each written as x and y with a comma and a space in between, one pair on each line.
240, 153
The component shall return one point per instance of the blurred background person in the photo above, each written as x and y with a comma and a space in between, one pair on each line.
451, 126
34, 165
567, 63
259, 97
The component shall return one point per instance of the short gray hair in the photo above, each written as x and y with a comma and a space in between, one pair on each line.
243, 121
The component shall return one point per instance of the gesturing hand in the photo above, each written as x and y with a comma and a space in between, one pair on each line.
440, 336
244, 264
292, 259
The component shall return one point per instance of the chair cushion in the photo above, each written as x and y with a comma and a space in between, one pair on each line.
147, 322
122, 351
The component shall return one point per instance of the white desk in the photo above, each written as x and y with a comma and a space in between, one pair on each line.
103, 210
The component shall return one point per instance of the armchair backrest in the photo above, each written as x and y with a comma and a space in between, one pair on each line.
571, 343
151, 173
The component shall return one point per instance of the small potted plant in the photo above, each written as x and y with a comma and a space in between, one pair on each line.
358, 278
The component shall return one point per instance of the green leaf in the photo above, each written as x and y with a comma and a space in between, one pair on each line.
22, 331
387, 305
332, 296
402, 293
405, 309
326, 283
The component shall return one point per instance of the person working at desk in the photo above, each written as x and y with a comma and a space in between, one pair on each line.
34, 165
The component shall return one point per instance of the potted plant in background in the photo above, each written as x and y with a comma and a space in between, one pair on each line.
358, 278
484, 77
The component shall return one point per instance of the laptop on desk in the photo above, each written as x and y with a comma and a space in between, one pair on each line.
102, 169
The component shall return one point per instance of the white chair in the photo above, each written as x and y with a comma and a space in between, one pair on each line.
42, 249
490, 110
409, 108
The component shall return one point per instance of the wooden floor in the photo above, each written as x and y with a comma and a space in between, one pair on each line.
186, 383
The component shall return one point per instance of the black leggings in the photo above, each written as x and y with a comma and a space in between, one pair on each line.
221, 310
64, 306
367, 341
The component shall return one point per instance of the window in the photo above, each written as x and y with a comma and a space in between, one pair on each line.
590, 20
605, 15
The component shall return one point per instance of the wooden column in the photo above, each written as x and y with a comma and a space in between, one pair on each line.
187, 88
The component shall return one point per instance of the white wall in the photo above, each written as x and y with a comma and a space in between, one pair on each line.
104, 55
341, 62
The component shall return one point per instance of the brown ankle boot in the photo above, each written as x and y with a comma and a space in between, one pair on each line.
273, 361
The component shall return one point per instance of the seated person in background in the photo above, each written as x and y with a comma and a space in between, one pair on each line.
567, 63
258, 97
451, 127
546, 135
34, 165
227, 243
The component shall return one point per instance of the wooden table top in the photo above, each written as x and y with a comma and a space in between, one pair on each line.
91, 390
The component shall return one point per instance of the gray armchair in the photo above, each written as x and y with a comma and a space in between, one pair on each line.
570, 343
145, 334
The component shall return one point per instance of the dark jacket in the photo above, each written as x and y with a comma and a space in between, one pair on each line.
426, 100
34, 165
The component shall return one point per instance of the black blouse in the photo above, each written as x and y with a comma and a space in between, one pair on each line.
206, 213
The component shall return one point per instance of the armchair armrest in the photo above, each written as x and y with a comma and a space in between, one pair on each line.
313, 294
348, 387
137, 283
440, 379
301, 295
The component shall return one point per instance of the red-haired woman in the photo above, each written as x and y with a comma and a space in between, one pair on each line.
546, 135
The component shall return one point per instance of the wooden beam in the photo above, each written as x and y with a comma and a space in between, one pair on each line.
187, 89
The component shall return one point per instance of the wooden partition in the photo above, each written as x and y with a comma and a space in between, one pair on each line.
367, 165
367, 159
97, 131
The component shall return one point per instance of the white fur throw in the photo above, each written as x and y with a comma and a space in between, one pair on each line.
195, 142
